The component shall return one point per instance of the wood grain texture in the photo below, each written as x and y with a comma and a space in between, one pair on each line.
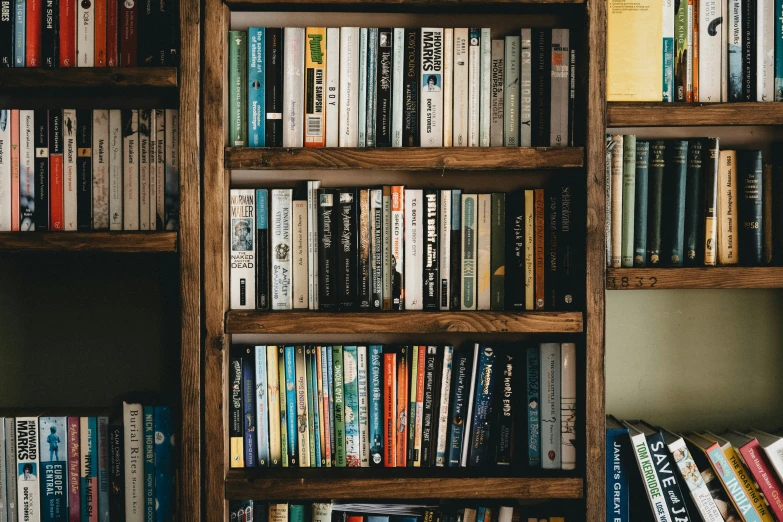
89, 77
127, 242
692, 114
401, 322
685, 278
418, 158
240, 486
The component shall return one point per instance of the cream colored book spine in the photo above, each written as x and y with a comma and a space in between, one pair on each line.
634, 58
728, 253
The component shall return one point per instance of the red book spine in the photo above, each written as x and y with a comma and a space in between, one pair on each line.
112, 33
768, 483
67, 33
538, 245
74, 471
56, 217
100, 33
389, 410
33, 33
354, 518
15, 170
128, 35
402, 406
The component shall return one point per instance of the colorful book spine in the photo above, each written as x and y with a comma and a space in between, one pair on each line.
315, 82
89, 470
768, 483
20, 45
617, 473
293, 87
389, 407
242, 275
692, 477
256, 87
652, 485
273, 97
283, 392
533, 366
171, 180
33, 21
261, 402
324, 413
362, 218
339, 406
237, 81
248, 421
74, 469
397, 247
732, 484
442, 409
333, 45
351, 398
430, 249
312, 420
374, 394
480, 424
291, 407
26, 171
149, 464
404, 363
302, 413
668, 51
347, 248
363, 412
26, 473
116, 471
417, 414
235, 422
376, 248
431, 87
54, 469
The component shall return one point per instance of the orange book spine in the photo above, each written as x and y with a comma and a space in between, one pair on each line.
402, 406
538, 223
100, 33
15, 170
390, 409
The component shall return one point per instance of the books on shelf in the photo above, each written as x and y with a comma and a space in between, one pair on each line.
497, 251
85, 170
689, 203
404, 406
395, 87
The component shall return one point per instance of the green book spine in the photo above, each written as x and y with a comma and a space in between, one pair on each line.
655, 201
309, 354
676, 202
237, 81
750, 208
777, 208
629, 189
339, 406
283, 420
693, 204
498, 251
296, 513
640, 205
681, 51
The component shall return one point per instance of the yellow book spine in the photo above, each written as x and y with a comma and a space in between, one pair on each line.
728, 234
315, 85
759, 504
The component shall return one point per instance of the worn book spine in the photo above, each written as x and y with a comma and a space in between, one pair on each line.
430, 252
711, 218
655, 203
498, 252
455, 265
384, 87
293, 86
431, 118
693, 187
397, 247
448, 87
273, 85
237, 94
327, 251
347, 249
444, 250
362, 79
371, 113
750, 218
411, 89
398, 82
242, 225
301, 299
641, 204
629, 192
749, 49
263, 251
511, 92
474, 86
676, 202
41, 119
469, 251
559, 92
541, 78
484, 252
539, 247
728, 234
315, 84
332, 95
256, 88
84, 167
486, 86
497, 98
461, 80
364, 285
617, 200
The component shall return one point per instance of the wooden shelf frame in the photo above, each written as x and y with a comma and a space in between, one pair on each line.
89, 78
125, 242
692, 114
694, 278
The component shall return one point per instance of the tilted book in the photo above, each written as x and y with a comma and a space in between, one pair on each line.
646, 465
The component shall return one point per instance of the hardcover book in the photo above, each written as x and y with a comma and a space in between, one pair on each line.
237, 81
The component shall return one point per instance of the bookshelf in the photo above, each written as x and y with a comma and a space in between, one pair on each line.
692, 114
693, 278
161, 242
480, 168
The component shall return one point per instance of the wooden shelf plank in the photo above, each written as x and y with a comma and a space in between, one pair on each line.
413, 158
692, 114
313, 322
250, 4
240, 485
682, 278
86, 78
88, 241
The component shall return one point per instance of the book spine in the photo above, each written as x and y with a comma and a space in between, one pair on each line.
511, 92
339, 406
442, 408
49, 39
455, 264
483, 265
389, 408
333, 107
757, 501
363, 411
448, 87
651, 484
235, 422
641, 204
263, 251
130, 170
693, 187
727, 208
302, 413
384, 112
485, 384
417, 420
361, 93
617, 201
751, 222
608, 199
242, 294
291, 423
765, 51
515, 262
84, 198
497, 97
709, 68
14, 156
74, 469
530, 250
312, 411
261, 405
323, 407
486, 86
735, 50
112, 34
101, 26
767, 482
559, 128
327, 258
164, 465
41, 119
430, 407
431, 243
410, 122
300, 266
570, 296
396, 250
282, 246
668, 50
681, 51
103, 470
100, 169
149, 464
70, 186
458, 425
274, 86
293, 87
551, 457
469, 251
526, 86
444, 250
731, 483
533, 436
376, 248
85, 34
33, 33
696, 485
5, 176
315, 79
403, 412
568, 405
767, 212
676, 222
749, 50
274, 403
463, 462
55, 171
20, 46
114, 161
398, 82
26, 171
256, 88
53, 471
386, 220
504, 410
693, 48
116, 473
629, 189
413, 249
89, 471
778, 52
347, 249
412, 452
6, 40
372, 87
375, 434
431, 87
474, 86
541, 78
351, 404
164, 158
364, 268
498, 252
312, 243
711, 219
238, 93
132, 414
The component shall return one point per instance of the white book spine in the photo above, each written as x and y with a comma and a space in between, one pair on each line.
444, 261
26, 170
5, 170
261, 399
312, 244
100, 169
363, 45
723, 29
774, 452
69, 169
448, 87
349, 78
153, 173
243, 254
568, 405
293, 87
171, 181
486, 85
414, 258
27, 463
484, 249
300, 284
160, 160
431, 82
461, 73
144, 169
130, 169
710, 55
443, 409
85, 34
765, 50
698, 489
474, 86
550, 405
115, 170
463, 461
134, 465
526, 89
505, 514
282, 230
468, 252
364, 428
333, 45
398, 75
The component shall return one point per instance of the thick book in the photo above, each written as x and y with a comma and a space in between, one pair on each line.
349, 87
299, 286
559, 129
85, 33
728, 251
339, 407
618, 468
497, 97
675, 223
293, 86
411, 89
459, 427
383, 89
634, 58
693, 200
291, 419
256, 88
273, 95
242, 268
26, 171
629, 193
710, 50
646, 465
511, 92
263, 251
641, 204
50, 41
749, 205
550, 381
129, 34
749, 451
515, 251
315, 82
351, 405
430, 247
414, 229
237, 93
481, 422
431, 76
41, 141
281, 218
347, 248
332, 94
27, 473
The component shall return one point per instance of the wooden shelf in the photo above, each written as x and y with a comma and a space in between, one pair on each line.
408, 158
313, 322
682, 278
692, 114
88, 78
88, 241
241, 485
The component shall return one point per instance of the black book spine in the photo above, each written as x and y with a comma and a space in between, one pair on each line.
777, 208
163, 38
236, 426
50, 34
174, 35
430, 275
7, 33
749, 50
428, 421
666, 470
542, 82
552, 205
147, 26
84, 169
274, 88
455, 263
515, 251
116, 471
675, 202
384, 104
504, 447
327, 254
657, 166
376, 257
750, 208
569, 230
41, 122
710, 217
347, 249
410, 121
641, 203
263, 250
365, 282
572, 89
693, 183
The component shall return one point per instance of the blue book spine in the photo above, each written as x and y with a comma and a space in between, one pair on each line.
459, 408
377, 518
149, 464
617, 448
290, 405
351, 393
54, 469
103, 469
330, 377
316, 410
19, 34
481, 514
533, 417
89, 471
372, 83
262, 407
256, 88
482, 405
164, 465
668, 68
376, 405
249, 406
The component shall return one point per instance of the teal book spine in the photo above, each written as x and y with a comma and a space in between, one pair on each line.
374, 380
296, 513
290, 405
675, 233
237, 94
339, 406
54, 469
778, 50
103, 469
640, 204
262, 407
149, 464
351, 396
281, 379
629, 193
668, 61
657, 166
312, 389
20, 32
533, 407
256, 88
693, 203
164, 465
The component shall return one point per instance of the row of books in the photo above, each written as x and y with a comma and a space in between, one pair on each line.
86, 469
98, 33
395, 87
692, 476
397, 248
73, 169
403, 406
688, 202
697, 51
